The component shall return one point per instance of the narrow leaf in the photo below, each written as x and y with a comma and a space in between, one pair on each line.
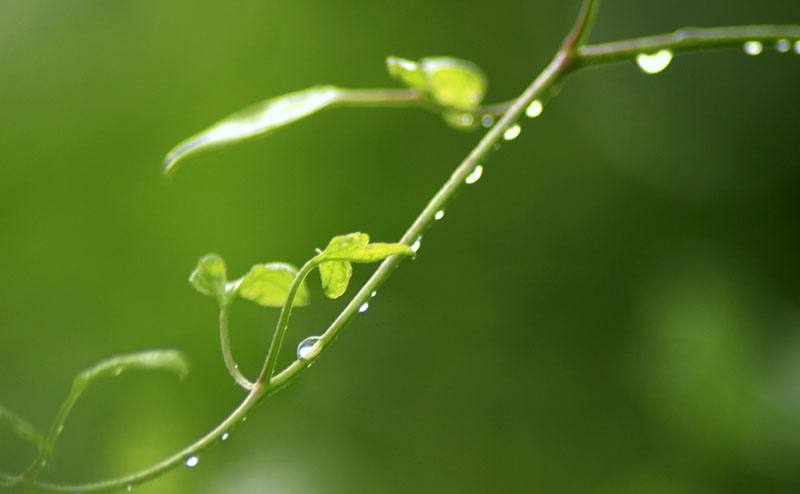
335, 276
268, 285
255, 120
209, 277
162, 359
22, 427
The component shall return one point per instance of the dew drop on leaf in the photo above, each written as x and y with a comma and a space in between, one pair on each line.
439, 215
512, 132
308, 348
534, 109
753, 48
655, 63
797, 47
373, 294
363, 307
783, 45
416, 245
487, 121
191, 461
225, 436
471, 179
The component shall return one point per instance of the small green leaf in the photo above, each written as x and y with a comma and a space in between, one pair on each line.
268, 285
19, 425
335, 276
355, 247
406, 71
170, 360
256, 120
209, 277
454, 82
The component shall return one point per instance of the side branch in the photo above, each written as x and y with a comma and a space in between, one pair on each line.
686, 39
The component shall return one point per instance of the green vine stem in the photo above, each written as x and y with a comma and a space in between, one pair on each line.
570, 57
225, 345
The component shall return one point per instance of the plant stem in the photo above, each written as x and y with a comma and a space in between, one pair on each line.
568, 59
225, 344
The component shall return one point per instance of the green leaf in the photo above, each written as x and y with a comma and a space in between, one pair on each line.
406, 71
255, 120
162, 359
268, 285
23, 429
454, 82
335, 276
355, 247
209, 277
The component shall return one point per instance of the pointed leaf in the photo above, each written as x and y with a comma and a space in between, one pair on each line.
355, 247
335, 276
268, 285
454, 82
255, 120
209, 277
162, 359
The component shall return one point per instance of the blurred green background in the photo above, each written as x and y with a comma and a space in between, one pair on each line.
613, 308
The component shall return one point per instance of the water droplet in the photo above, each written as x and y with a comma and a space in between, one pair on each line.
308, 348
753, 47
439, 215
475, 175
373, 294
487, 120
534, 109
363, 307
416, 245
655, 63
244, 419
797, 47
225, 436
192, 461
465, 119
512, 132
783, 45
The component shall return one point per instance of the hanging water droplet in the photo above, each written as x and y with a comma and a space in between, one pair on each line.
655, 63
363, 307
534, 109
191, 461
512, 132
783, 45
475, 175
487, 121
465, 119
373, 294
439, 215
753, 47
308, 348
797, 47
416, 245
225, 436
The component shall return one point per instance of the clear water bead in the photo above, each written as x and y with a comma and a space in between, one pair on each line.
512, 132
225, 436
439, 215
487, 121
308, 348
783, 45
797, 47
373, 294
475, 175
192, 461
655, 63
534, 109
753, 48
363, 307
416, 245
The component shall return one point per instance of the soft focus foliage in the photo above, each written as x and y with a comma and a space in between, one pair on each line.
614, 307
